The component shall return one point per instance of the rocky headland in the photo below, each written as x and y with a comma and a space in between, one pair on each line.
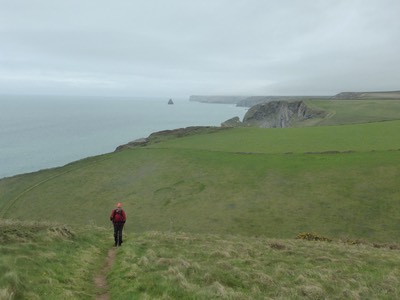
264, 112
276, 114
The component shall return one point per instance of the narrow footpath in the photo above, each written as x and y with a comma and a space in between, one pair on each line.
100, 280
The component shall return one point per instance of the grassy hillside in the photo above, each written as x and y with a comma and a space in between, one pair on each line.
49, 261
52, 261
202, 266
342, 181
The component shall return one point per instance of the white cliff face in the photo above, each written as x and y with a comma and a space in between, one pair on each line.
277, 114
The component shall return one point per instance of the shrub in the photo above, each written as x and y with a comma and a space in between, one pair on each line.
312, 236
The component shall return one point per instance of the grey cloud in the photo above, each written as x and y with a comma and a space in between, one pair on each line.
181, 47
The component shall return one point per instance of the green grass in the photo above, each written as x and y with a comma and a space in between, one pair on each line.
265, 182
203, 266
49, 261
214, 215
361, 137
356, 111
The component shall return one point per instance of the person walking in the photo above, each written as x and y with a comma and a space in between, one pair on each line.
118, 217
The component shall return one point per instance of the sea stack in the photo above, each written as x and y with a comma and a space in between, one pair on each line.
170, 101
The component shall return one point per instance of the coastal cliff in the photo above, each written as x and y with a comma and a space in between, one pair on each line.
254, 100
276, 114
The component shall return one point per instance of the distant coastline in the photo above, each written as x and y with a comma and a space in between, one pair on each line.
249, 101
40, 132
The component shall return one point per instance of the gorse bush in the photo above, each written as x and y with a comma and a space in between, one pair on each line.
312, 236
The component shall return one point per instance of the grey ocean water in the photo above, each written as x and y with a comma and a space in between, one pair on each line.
39, 132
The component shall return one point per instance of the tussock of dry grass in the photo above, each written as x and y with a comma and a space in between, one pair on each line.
6, 294
12, 231
183, 266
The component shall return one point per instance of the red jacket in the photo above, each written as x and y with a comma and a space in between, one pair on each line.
118, 216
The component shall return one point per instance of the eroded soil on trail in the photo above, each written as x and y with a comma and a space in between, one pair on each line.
100, 280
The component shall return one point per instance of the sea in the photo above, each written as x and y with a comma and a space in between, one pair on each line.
41, 132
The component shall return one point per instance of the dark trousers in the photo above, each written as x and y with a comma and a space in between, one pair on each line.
118, 233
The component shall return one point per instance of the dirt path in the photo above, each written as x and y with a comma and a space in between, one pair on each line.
100, 279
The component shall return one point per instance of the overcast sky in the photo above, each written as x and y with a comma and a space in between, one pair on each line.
175, 48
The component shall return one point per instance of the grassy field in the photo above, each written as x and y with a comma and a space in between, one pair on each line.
339, 180
215, 215
380, 136
356, 111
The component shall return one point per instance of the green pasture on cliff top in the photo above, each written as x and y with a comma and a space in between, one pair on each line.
342, 181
